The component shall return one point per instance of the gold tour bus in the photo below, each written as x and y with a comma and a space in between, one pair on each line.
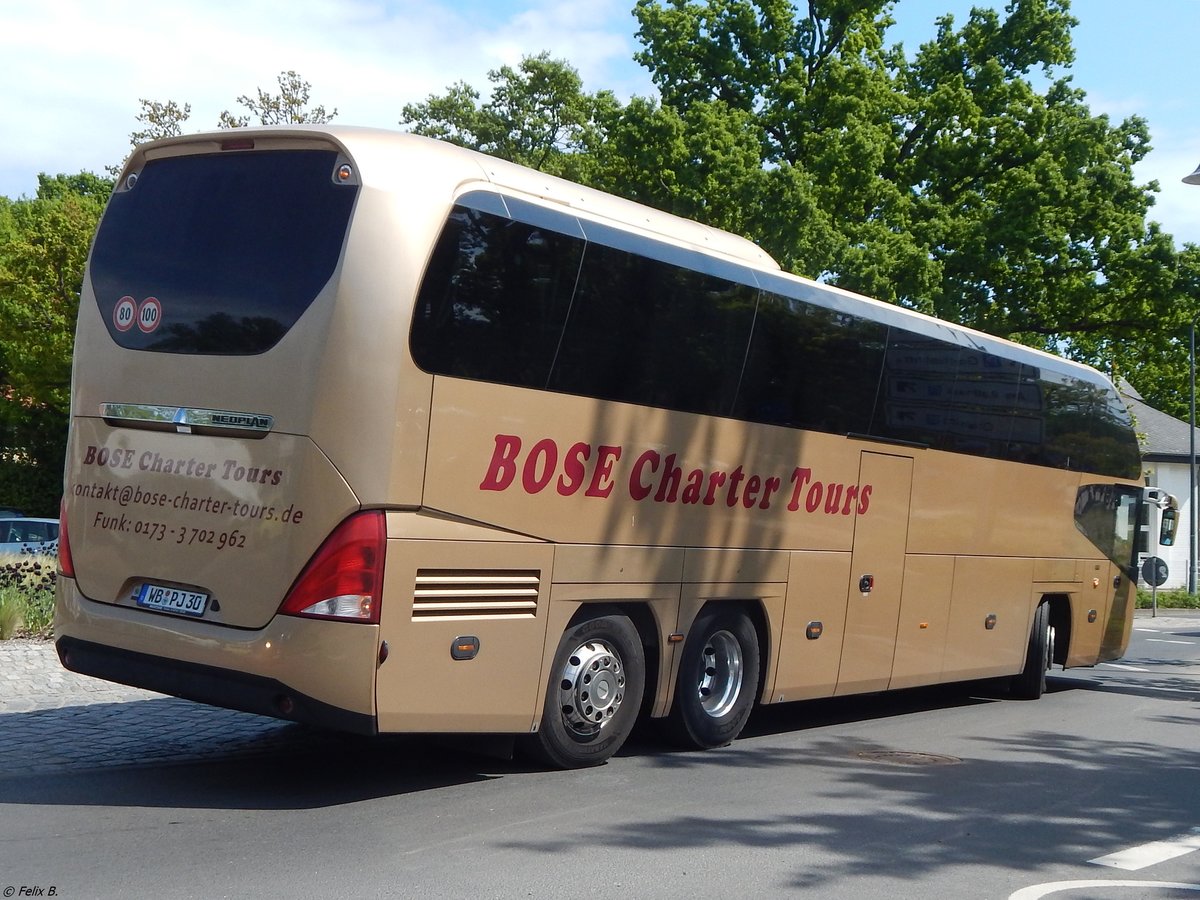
380, 434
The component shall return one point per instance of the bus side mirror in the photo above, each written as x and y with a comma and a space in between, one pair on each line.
1166, 531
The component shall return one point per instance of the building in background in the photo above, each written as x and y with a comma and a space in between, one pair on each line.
1166, 455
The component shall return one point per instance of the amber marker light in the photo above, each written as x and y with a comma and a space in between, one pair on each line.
464, 647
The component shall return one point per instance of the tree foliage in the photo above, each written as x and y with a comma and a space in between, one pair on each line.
43, 247
160, 120
538, 115
288, 107
967, 179
41, 271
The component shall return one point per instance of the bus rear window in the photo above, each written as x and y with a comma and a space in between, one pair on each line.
219, 254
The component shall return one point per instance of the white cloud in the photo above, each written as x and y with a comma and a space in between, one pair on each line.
75, 70
1176, 153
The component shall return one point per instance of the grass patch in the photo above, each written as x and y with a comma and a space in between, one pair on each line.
1173, 599
11, 608
27, 584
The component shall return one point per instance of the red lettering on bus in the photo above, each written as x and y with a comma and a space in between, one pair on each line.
503, 467
639, 489
668, 484
772, 485
547, 451
574, 469
750, 494
716, 480
800, 477
602, 483
735, 479
812, 499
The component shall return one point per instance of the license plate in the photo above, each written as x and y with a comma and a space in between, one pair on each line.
173, 600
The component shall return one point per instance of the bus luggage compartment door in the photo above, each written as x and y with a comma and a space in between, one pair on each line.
440, 594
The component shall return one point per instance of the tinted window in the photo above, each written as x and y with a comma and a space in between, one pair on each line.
1088, 428
811, 367
544, 301
1107, 516
233, 247
958, 398
647, 332
22, 531
494, 300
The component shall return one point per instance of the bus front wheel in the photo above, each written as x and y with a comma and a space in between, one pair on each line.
1030, 684
594, 694
718, 680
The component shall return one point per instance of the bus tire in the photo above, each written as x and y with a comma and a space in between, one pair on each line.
718, 681
1030, 684
594, 694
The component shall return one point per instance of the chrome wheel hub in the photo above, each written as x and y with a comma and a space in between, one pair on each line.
591, 688
721, 677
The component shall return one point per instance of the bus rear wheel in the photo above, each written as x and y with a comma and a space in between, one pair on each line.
594, 694
718, 681
1030, 684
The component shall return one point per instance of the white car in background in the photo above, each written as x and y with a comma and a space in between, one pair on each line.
28, 535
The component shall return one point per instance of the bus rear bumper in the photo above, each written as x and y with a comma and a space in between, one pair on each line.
296, 669
207, 684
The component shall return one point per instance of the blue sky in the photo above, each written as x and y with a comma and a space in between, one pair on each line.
74, 70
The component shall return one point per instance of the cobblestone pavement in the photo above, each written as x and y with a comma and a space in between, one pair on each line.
31, 679
51, 719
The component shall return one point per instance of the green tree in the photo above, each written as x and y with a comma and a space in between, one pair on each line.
538, 115
43, 248
158, 120
942, 180
945, 181
289, 107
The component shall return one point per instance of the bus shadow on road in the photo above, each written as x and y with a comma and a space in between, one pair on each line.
786, 717
168, 752
174, 753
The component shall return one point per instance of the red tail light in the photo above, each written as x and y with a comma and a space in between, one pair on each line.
65, 565
344, 579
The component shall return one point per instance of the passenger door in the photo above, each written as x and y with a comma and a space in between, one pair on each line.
876, 573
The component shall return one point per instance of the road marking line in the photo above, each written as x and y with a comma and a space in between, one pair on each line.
1037, 891
1164, 641
1150, 854
1126, 668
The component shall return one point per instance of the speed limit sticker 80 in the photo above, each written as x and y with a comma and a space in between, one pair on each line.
147, 314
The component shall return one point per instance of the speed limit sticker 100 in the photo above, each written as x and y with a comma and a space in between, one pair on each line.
147, 314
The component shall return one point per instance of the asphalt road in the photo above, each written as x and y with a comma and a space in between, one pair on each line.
1092, 792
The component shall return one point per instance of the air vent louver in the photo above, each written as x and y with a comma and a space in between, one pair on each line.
476, 593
